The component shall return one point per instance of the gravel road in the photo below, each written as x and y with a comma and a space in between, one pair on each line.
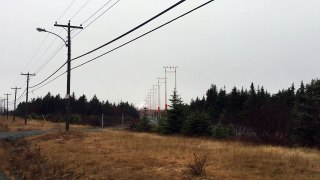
11, 136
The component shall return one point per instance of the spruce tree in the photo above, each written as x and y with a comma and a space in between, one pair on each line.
176, 115
306, 113
197, 123
212, 95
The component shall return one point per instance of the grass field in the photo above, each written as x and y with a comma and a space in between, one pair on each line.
112, 154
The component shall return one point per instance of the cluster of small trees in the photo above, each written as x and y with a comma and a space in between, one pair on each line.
83, 111
289, 116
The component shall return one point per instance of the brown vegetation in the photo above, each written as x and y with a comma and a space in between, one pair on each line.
22, 161
111, 154
198, 166
122, 155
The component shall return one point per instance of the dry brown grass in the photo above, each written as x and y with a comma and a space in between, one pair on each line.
111, 154
122, 155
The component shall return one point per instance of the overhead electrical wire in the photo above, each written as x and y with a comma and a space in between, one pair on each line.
103, 13
45, 52
32, 57
84, 5
96, 12
46, 37
132, 30
49, 76
96, 18
144, 34
44, 64
60, 46
44, 40
50, 81
19, 96
33, 90
66, 10
57, 50
169, 22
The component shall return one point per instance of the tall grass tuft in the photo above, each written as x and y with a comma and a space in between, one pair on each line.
198, 166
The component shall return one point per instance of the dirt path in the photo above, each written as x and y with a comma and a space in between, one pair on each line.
11, 136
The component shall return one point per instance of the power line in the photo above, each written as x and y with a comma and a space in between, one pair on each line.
66, 10
57, 50
49, 81
96, 18
23, 93
46, 50
84, 5
21, 96
49, 76
103, 13
45, 38
139, 26
132, 30
53, 55
36, 52
144, 34
96, 12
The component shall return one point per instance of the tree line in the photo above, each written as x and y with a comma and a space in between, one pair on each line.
83, 111
290, 116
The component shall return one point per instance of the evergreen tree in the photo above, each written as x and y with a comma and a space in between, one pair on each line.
306, 122
198, 105
220, 104
176, 115
212, 95
81, 105
233, 107
144, 122
197, 123
95, 106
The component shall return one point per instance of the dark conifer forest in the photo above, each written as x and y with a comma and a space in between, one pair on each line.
84, 111
288, 117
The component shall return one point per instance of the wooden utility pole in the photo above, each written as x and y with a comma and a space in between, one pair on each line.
15, 102
2, 108
69, 27
27, 93
7, 104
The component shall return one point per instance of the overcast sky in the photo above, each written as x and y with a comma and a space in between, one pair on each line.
272, 43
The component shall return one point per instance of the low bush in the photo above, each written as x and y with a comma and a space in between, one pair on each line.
220, 131
198, 166
144, 124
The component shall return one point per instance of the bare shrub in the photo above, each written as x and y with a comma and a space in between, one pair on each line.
29, 163
198, 166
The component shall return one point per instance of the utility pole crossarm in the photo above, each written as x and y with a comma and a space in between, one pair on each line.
67, 26
28, 74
